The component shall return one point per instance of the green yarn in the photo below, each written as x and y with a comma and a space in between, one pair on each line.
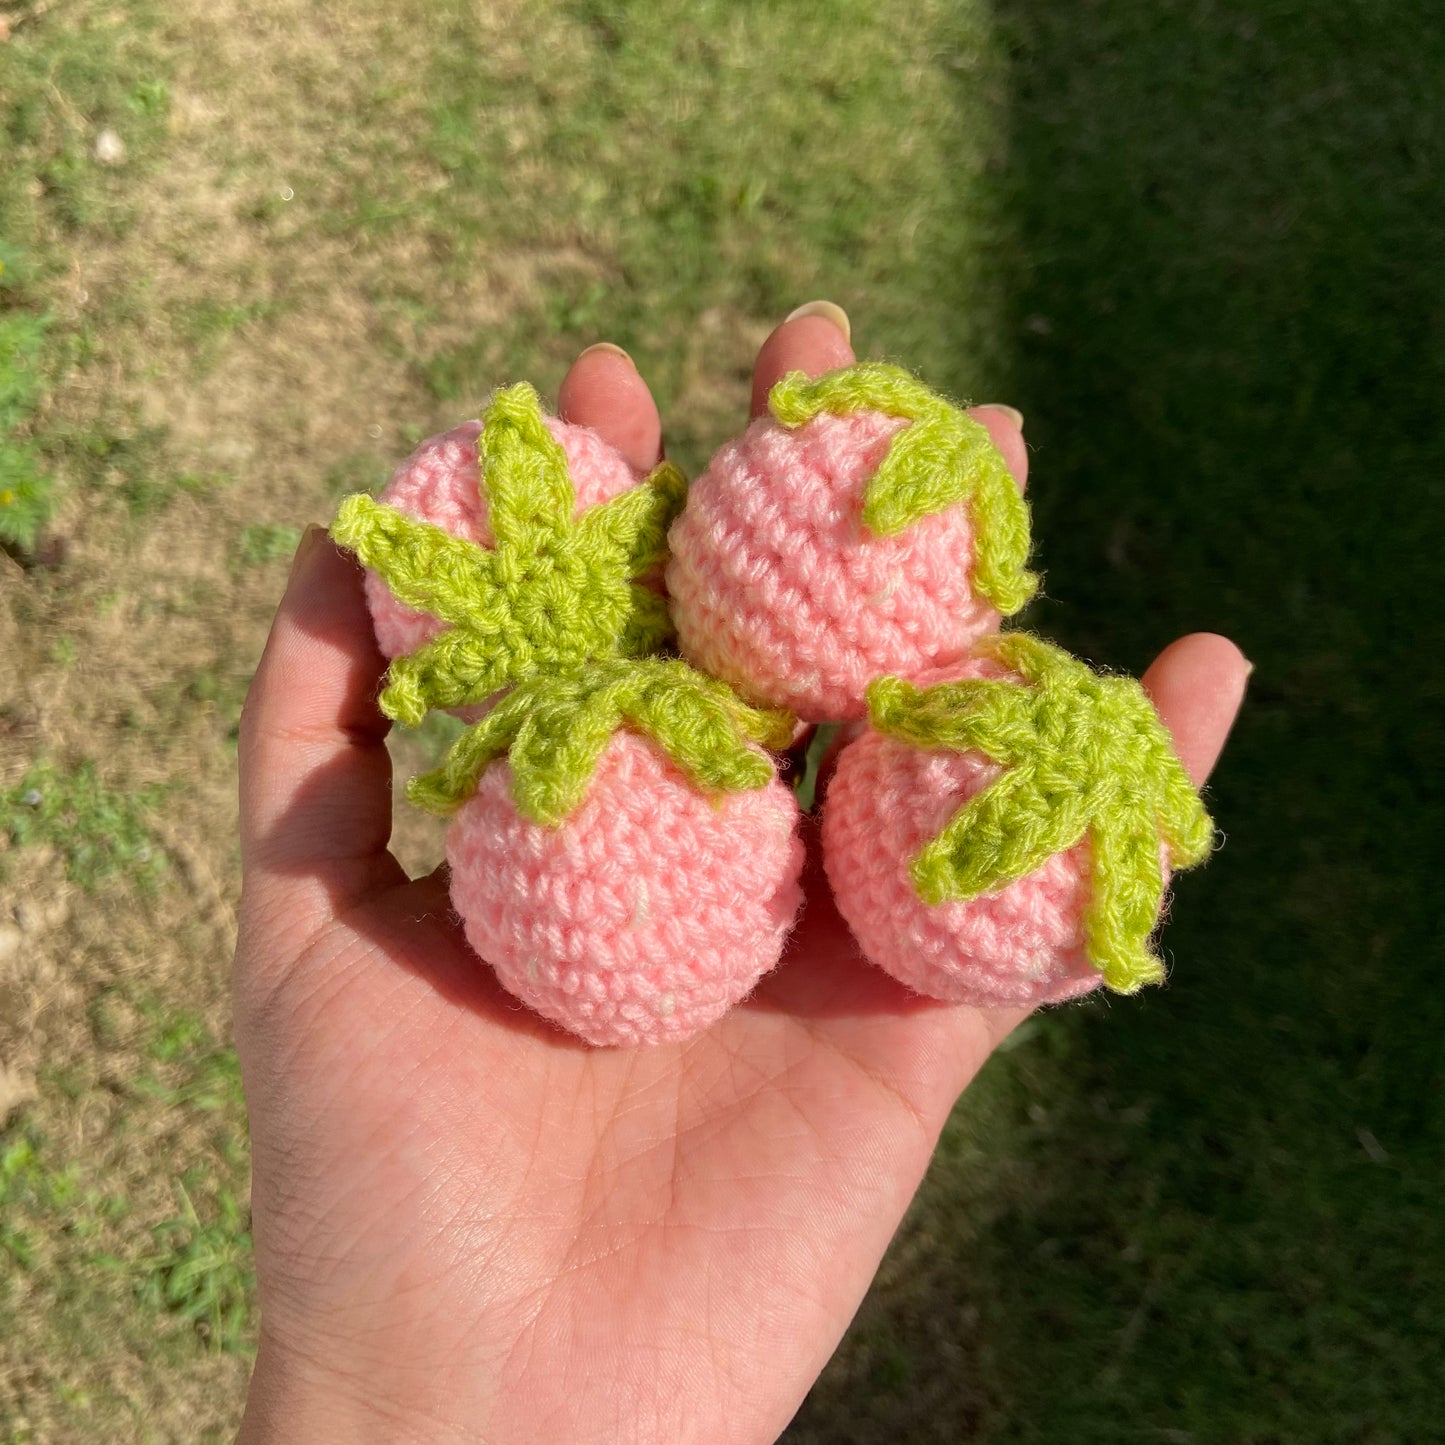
1085, 754
553, 730
556, 589
805, 789
942, 458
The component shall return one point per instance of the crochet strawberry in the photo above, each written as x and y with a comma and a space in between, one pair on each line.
1003, 834
510, 544
864, 527
622, 853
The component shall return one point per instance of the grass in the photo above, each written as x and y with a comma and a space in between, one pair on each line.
267, 542
94, 830
98, 73
28, 1191
1197, 245
203, 1273
25, 499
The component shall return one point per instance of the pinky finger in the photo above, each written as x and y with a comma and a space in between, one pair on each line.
1197, 684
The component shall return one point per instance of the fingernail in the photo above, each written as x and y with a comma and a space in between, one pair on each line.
609, 349
1011, 412
829, 311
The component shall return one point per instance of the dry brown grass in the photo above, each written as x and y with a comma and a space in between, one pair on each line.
261, 323
165, 628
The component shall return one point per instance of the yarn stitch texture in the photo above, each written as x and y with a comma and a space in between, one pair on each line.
647, 914
555, 591
441, 482
1085, 755
778, 584
1021, 945
943, 457
555, 729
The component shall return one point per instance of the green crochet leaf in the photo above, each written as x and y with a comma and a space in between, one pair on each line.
1086, 755
1005, 833
973, 716
1123, 908
425, 567
553, 730
530, 499
649, 623
943, 457
636, 523
553, 593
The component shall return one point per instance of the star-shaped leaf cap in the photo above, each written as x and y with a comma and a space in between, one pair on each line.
942, 458
553, 730
1085, 755
555, 591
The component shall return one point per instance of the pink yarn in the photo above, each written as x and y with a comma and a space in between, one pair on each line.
647, 914
440, 483
1021, 945
778, 590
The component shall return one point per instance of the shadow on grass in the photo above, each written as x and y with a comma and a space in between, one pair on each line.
1214, 1214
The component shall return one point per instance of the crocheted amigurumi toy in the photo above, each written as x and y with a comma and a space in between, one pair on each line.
439, 483
1004, 831
866, 526
622, 850
541, 547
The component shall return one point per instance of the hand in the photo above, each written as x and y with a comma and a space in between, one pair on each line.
470, 1226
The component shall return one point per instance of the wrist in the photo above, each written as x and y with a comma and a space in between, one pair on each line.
291, 1400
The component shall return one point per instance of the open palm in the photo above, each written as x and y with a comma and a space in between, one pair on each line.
471, 1226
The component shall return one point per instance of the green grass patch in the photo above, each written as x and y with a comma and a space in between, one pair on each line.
201, 1271
207, 325
200, 1268
117, 458
39, 1200
651, 170
25, 486
361, 471
97, 831
28, 1192
66, 79
267, 542
63, 80
197, 1072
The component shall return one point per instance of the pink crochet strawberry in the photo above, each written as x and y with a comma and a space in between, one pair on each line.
622, 853
865, 527
501, 547
444, 482
1003, 831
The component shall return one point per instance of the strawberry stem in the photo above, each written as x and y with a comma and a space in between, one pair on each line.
554, 592
943, 457
554, 729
